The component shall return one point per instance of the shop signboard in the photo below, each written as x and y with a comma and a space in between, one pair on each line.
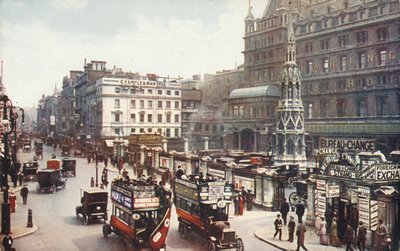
364, 210
363, 191
321, 184
348, 144
374, 214
333, 191
321, 203
388, 172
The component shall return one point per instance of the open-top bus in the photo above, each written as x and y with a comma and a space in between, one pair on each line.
202, 205
141, 213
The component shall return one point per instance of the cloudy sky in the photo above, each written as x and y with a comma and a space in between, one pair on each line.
41, 40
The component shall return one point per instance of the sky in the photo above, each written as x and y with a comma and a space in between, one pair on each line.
42, 40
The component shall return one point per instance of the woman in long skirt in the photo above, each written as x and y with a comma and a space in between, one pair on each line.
323, 236
334, 237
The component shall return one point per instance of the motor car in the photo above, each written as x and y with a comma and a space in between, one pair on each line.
29, 170
78, 153
93, 205
65, 150
68, 167
50, 180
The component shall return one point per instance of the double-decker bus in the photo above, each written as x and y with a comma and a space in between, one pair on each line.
202, 205
141, 213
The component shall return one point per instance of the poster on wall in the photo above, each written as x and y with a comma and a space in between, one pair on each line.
164, 162
320, 202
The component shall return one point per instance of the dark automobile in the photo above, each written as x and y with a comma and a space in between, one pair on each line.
65, 150
222, 236
29, 170
78, 153
93, 205
68, 167
39, 149
50, 180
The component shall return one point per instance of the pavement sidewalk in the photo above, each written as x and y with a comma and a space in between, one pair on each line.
18, 231
311, 240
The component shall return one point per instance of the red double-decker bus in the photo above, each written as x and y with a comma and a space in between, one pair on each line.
141, 213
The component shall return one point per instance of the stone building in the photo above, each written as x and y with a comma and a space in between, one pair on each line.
348, 53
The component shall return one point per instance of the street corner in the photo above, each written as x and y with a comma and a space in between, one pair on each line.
267, 235
21, 231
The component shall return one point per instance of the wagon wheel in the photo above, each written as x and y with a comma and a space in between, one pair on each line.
86, 219
183, 229
53, 189
106, 230
211, 246
294, 199
239, 244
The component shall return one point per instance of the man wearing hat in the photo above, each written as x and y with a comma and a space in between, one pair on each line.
361, 236
291, 228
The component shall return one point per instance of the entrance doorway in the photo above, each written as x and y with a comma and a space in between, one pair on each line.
247, 140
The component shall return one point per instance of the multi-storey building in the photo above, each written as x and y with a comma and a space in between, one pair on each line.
137, 105
348, 52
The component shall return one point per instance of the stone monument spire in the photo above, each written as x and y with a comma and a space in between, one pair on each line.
289, 129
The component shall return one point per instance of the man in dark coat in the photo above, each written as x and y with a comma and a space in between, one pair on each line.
291, 228
300, 232
24, 193
284, 210
278, 226
361, 236
300, 211
348, 237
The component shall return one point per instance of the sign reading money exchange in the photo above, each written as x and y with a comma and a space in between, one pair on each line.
348, 144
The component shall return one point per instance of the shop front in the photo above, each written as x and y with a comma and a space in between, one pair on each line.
365, 190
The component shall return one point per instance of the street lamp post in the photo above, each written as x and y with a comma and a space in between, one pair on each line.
97, 168
9, 123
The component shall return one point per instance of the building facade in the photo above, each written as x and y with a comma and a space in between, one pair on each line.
348, 55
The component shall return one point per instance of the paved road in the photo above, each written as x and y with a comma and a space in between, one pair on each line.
60, 229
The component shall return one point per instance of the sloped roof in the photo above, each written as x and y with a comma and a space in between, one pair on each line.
257, 91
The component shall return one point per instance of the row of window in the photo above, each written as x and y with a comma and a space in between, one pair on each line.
363, 61
252, 112
342, 105
167, 133
142, 116
342, 19
132, 104
148, 91
361, 37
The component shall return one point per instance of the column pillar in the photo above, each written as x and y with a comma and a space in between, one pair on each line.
142, 147
165, 145
310, 217
186, 145
268, 193
188, 166
206, 143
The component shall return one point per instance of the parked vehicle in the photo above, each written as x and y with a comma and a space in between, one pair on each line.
68, 167
29, 170
202, 205
93, 205
39, 149
50, 180
65, 151
141, 213
26, 146
300, 194
78, 153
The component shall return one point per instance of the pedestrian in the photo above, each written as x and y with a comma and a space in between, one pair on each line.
284, 210
244, 194
291, 228
120, 165
24, 194
241, 203
334, 234
348, 237
20, 177
380, 236
236, 204
179, 172
104, 177
300, 211
105, 161
323, 236
7, 242
300, 232
92, 182
361, 236
278, 226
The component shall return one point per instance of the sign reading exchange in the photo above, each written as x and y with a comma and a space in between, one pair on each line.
388, 172
348, 144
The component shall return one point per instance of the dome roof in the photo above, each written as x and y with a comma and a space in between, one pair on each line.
257, 91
